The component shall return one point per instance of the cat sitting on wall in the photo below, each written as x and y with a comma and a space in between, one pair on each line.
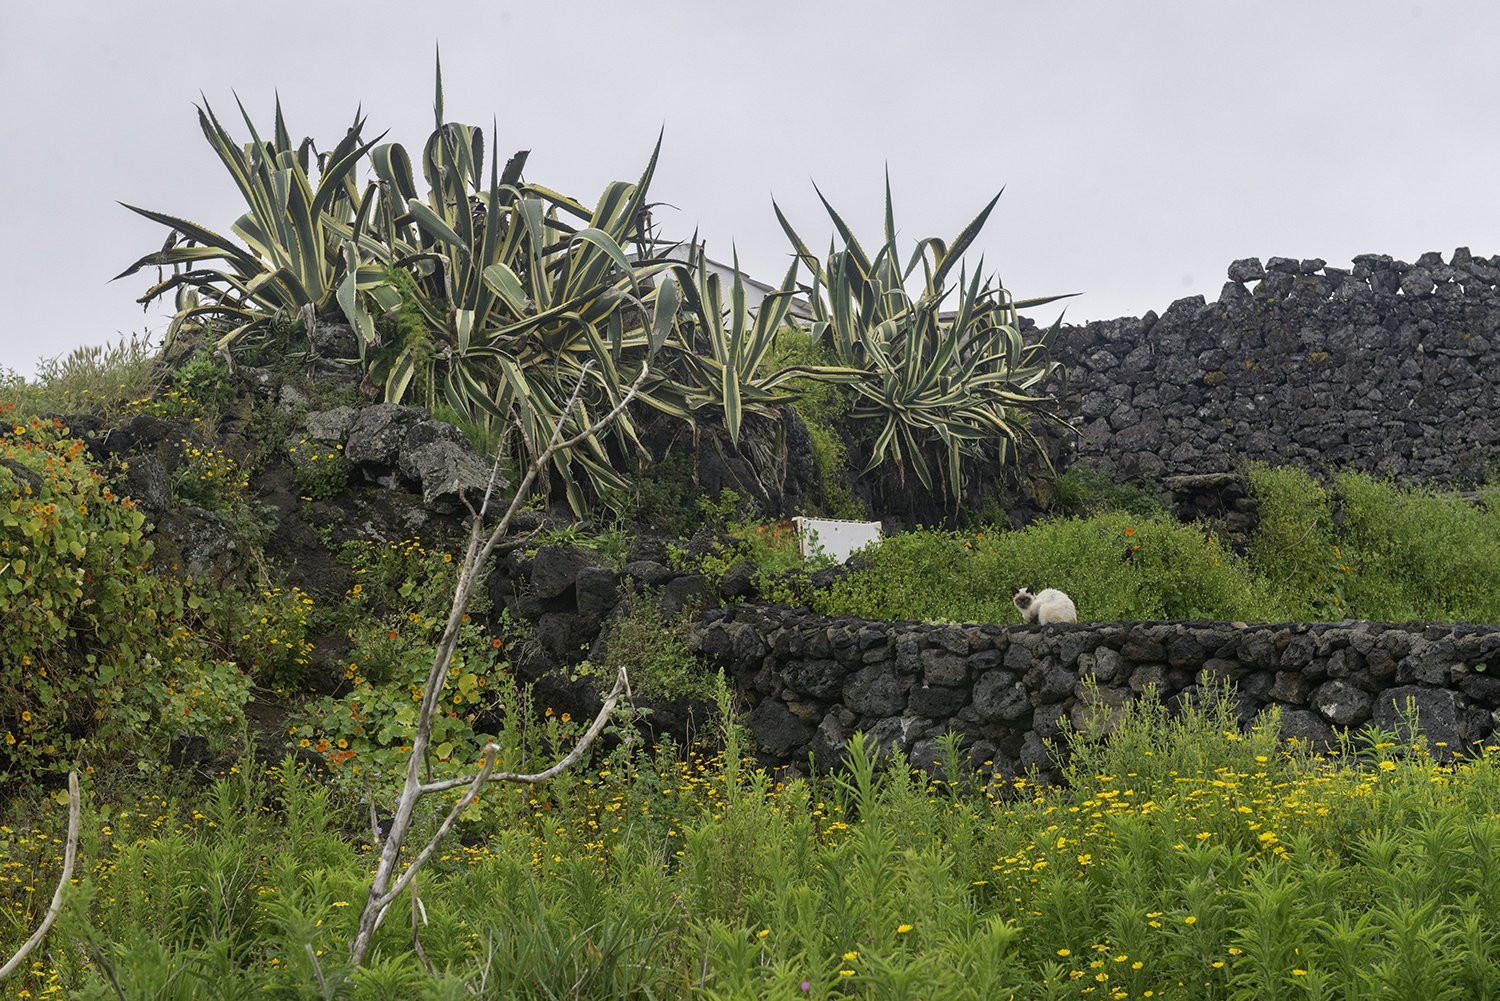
1046, 606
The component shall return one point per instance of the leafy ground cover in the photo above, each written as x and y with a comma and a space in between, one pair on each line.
1184, 859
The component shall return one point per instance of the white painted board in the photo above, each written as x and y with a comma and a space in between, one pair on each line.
838, 539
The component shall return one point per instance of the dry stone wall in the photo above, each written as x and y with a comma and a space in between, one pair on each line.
1387, 367
811, 681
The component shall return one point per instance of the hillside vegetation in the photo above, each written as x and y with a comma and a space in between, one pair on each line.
230, 634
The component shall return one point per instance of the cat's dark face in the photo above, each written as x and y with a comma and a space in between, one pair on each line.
1023, 598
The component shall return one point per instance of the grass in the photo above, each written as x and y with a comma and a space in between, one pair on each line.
94, 379
1116, 566
1364, 549
1081, 491
1184, 859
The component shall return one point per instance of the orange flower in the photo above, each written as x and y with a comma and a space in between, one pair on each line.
496, 644
1129, 532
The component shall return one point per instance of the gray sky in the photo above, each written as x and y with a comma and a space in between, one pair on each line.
1142, 146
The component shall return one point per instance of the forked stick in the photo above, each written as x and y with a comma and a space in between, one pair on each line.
385, 887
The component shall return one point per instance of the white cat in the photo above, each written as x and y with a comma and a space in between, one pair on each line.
1046, 606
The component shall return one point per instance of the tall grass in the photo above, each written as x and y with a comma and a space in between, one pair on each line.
93, 379
1185, 859
1417, 554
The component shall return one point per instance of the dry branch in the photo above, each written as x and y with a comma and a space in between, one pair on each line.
70, 855
385, 887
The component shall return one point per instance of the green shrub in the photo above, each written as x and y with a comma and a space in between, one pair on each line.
393, 617
1081, 491
365, 734
666, 493
1293, 545
1115, 566
653, 647
1417, 554
823, 407
209, 478
95, 659
207, 380
321, 469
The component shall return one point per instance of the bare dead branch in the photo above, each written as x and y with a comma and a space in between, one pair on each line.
622, 687
70, 855
374, 824
487, 774
419, 912
385, 886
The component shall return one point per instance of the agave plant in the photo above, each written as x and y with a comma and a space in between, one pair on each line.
485, 292
938, 384
720, 360
295, 261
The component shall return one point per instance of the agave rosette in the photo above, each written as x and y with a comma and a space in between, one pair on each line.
940, 386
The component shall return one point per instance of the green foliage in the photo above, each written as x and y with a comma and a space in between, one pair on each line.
206, 380
1115, 566
1396, 554
1146, 740
939, 379
724, 367
654, 648
823, 407
393, 618
94, 379
405, 576
1413, 553
1080, 491
405, 337
366, 733
665, 494
320, 469
495, 298
1293, 545
303, 255
1185, 858
782, 572
209, 478
524, 293
717, 513
265, 631
477, 294
483, 437
1389, 553
94, 660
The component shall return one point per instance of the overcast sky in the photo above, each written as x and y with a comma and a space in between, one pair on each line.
1141, 146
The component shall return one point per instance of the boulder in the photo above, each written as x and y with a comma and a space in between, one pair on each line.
1439, 716
555, 569
439, 458
376, 436
777, 730
876, 691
